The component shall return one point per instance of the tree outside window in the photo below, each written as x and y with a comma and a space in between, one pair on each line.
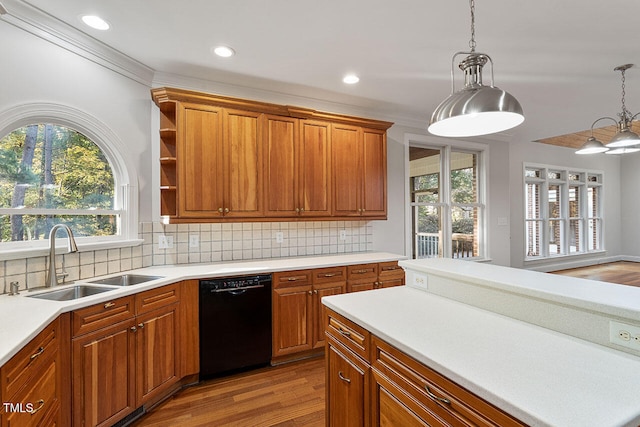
52, 174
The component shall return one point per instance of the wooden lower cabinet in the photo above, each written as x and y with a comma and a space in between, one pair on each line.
33, 384
397, 390
347, 387
365, 277
297, 308
121, 367
104, 375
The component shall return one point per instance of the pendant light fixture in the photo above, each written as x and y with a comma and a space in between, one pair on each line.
624, 141
476, 109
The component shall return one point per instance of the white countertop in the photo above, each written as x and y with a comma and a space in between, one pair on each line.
22, 318
542, 377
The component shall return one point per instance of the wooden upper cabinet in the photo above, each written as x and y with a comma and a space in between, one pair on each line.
315, 168
242, 156
200, 162
228, 158
360, 172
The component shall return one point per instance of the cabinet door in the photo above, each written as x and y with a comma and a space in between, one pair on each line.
320, 312
315, 169
347, 388
200, 162
104, 372
242, 171
292, 322
281, 166
346, 167
374, 171
156, 351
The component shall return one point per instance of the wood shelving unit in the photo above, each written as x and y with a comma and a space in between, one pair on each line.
168, 163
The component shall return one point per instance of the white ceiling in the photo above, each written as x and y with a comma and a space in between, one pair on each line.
556, 57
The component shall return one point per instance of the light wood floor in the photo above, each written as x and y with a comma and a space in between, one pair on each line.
623, 272
290, 395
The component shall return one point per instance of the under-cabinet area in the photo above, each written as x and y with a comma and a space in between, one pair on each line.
233, 159
112, 358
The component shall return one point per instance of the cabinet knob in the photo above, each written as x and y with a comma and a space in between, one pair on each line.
297, 210
220, 210
133, 329
226, 210
301, 209
310, 292
140, 325
315, 291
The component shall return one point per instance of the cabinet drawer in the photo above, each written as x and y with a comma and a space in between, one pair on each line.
352, 336
362, 271
101, 315
24, 365
329, 275
156, 298
291, 278
437, 394
390, 270
35, 402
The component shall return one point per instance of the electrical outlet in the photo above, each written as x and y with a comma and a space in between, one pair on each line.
624, 334
343, 234
162, 242
279, 237
420, 281
194, 241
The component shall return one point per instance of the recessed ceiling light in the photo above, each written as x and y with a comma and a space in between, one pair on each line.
224, 51
95, 22
351, 79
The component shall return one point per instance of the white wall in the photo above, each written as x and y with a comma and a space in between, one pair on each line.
36, 71
630, 205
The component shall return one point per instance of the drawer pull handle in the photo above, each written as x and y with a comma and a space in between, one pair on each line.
37, 353
109, 304
292, 279
342, 377
329, 274
35, 410
345, 333
434, 397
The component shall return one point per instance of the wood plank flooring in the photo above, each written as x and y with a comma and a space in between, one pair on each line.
291, 395
623, 272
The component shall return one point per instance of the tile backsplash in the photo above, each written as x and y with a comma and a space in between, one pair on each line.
200, 243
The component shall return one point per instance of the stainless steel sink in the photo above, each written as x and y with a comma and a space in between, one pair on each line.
126, 280
74, 292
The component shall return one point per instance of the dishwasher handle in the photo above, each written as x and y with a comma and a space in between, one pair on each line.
237, 291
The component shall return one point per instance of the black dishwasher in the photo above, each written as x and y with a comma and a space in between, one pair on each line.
235, 324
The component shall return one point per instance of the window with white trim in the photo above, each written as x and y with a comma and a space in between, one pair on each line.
563, 211
50, 174
447, 202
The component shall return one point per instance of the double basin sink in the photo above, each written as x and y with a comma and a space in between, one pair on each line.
85, 290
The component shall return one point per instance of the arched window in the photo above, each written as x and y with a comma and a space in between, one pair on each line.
59, 165
52, 174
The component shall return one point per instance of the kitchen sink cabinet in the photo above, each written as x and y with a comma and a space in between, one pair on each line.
297, 167
227, 158
135, 361
34, 382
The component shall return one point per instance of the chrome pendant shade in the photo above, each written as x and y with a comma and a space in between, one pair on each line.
625, 140
476, 109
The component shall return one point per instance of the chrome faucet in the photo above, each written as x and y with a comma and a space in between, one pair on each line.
52, 274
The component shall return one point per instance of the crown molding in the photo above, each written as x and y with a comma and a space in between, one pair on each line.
22, 15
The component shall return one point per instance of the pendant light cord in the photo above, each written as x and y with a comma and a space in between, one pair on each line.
472, 42
625, 113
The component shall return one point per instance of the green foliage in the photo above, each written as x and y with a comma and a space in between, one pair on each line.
80, 178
